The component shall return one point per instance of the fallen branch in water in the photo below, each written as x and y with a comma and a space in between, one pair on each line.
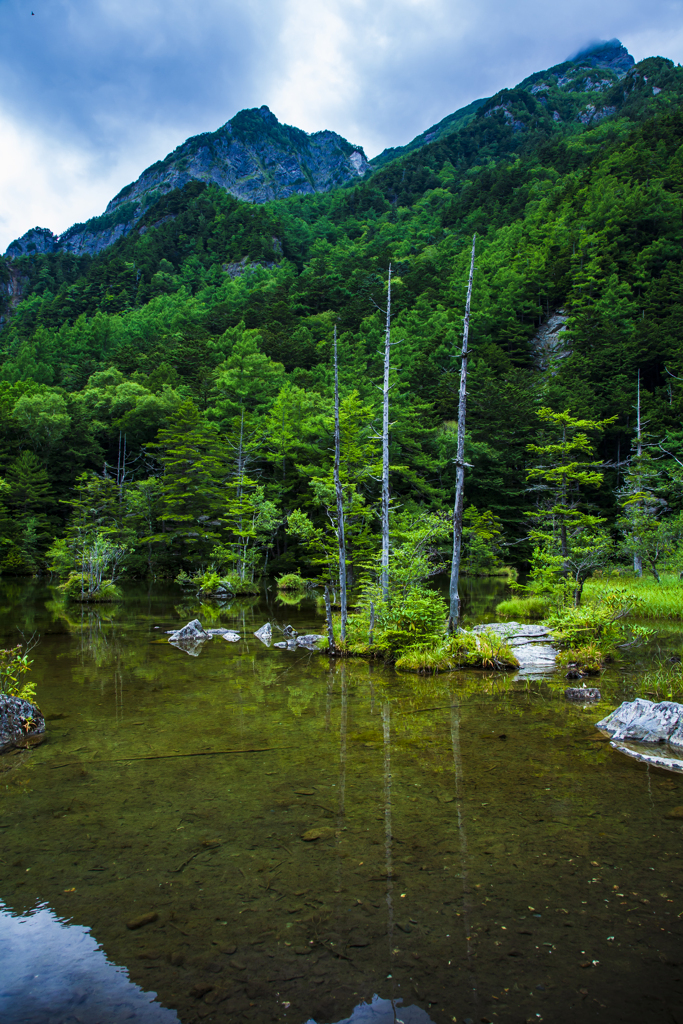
163, 757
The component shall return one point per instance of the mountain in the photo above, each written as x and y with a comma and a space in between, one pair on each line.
211, 322
252, 156
572, 76
257, 159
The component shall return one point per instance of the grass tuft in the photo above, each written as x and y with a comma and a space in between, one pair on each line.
292, 581
522, 608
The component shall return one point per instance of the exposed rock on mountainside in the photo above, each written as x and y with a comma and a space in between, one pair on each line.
252, 156
571, 76
257, 159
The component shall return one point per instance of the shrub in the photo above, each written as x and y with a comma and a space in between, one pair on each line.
14, 664
79, 587
588, 659
292, 581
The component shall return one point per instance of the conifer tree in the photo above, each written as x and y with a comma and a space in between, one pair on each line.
193, 482
569, 541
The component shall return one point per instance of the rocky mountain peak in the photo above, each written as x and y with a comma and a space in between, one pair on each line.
253, 156
612, 54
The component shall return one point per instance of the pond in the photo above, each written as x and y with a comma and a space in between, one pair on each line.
300, 839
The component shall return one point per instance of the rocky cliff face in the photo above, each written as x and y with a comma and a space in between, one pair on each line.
252, 156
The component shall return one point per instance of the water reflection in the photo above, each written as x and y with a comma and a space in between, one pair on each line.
52, 972
305, 832
385, 1011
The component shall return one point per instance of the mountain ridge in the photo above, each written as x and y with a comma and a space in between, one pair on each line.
257, 159
252, 156
612, 56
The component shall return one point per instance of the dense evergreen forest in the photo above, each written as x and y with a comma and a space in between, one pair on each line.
171, 399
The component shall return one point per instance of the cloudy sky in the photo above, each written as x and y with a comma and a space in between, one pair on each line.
93, 91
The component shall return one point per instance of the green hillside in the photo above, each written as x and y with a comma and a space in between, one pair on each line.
202, 340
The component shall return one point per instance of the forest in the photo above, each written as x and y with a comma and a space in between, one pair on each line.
168, 406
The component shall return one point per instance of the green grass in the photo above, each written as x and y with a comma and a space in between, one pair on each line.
663, 683
652, 600
482, 650
522, 608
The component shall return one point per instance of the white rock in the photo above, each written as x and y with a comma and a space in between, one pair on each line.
193, 631
264, 634
530, 644
645, 721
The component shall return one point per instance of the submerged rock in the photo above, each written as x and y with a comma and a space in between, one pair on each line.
583, 694
227, 634
309, 639
21, 723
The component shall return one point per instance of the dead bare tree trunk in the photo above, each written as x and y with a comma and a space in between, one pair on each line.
328, 612
638, 559
454, 609
340, 496
384, 578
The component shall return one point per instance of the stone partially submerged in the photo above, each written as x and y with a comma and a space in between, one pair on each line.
21, 723
193, 631
190, 638
309, 640
265, 634
646, 721
230, 636
648, 732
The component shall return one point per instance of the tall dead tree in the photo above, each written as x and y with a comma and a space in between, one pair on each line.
638, 558
454, 607
384, 577
340, 496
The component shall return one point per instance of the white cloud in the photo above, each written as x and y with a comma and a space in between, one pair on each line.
44, 182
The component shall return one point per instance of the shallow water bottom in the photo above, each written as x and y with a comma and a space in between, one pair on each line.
326, 841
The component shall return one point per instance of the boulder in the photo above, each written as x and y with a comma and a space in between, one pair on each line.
286, 645
193, 631
231, 637
309, 639
21, 723
264, 634
530, 644
646, 722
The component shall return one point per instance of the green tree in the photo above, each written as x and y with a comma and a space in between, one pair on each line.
570, 543
93, 551
193, 483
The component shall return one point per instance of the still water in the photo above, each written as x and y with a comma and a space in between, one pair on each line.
320, 841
